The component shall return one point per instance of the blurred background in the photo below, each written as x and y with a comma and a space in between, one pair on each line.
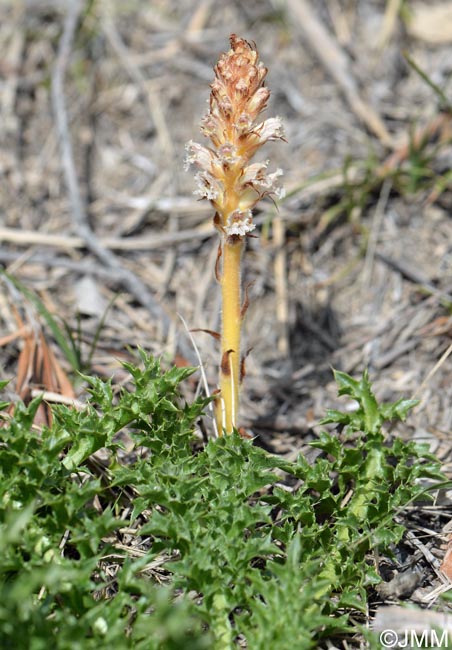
103, 244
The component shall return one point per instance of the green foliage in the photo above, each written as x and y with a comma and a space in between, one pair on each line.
240, 554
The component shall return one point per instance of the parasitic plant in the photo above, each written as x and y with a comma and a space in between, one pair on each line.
234, 185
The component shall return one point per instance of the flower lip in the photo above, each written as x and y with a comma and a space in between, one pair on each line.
208, 187
271, 129
260, 183
199, 155
239, 223
253, 171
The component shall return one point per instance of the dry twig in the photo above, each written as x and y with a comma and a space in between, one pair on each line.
131, 282
336, 63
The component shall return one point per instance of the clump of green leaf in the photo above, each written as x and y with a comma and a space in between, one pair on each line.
59, 519
240, 555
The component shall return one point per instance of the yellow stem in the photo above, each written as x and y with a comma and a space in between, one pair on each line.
230, 336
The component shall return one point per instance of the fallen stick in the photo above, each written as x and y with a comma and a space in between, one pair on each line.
129, 280
337, 64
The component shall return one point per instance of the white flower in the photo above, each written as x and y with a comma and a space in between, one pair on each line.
239, 223
208, 187
268, 182
254, 171
243, 123
209, 125
198, 155
271, 129
228, 154
258, 183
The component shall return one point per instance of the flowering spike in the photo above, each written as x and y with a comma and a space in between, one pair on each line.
234, 185
226, 178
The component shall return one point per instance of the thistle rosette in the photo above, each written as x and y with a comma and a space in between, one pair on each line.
226, 178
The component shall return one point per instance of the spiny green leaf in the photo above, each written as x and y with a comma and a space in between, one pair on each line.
398, 410
251, 543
